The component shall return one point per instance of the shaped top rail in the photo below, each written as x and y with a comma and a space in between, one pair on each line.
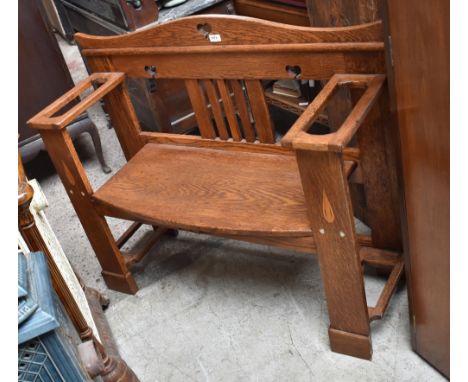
221, 30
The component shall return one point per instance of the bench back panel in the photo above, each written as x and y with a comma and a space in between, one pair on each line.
223, 59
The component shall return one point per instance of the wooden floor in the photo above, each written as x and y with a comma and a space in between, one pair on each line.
200, 188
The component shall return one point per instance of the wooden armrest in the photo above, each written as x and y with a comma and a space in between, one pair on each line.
46, 120
298, 137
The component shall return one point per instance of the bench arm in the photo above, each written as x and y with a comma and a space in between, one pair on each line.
298, 136
45, 119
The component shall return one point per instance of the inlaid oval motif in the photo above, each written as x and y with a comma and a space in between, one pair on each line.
327, 209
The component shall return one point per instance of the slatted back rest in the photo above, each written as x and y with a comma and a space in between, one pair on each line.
224, 58
237, 108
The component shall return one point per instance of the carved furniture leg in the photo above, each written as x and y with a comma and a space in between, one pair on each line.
103, 300
115, 368
94, 133
329, 206
83, 124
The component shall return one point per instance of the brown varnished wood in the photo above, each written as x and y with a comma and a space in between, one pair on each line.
78, 188
349, 153
331, 220
241, 107
327, 13
147, 12
254, 32
298, 138
377, 312
135, 255
311, 113
261, 114
391, 263
379, 257
43, 75
420, 71
124, 120
263, 197
46, 119
251, 64
274, 11
350, 343
262, 51
199, 104
341, 13
229, 110
129, 232
332, 13
318, 47
378, 175
71, 171
234, 180
113, 90
307, 244
115, 368
229, 145
213, 98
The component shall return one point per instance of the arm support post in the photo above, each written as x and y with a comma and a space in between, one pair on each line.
320, 160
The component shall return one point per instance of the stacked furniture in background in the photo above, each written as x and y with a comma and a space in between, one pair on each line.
292, 12
160, 105
106, 16
43, 76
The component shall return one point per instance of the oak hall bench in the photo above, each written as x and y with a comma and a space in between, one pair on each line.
236, 179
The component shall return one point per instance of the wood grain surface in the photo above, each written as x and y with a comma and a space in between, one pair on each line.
234, 179
421, 97
214, 191
186, 32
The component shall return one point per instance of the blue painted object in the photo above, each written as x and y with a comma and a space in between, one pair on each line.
41, 292
26, 307
45, 352
22, 276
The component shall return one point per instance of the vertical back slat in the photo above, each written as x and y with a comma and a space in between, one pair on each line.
229, 110
197, 98
216, 108
261, 114
241, 106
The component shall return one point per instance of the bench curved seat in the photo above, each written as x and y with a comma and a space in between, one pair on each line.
209, 190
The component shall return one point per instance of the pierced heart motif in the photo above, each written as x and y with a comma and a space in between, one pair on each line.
327, 209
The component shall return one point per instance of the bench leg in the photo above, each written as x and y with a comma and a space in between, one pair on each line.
331, 216
71, 172
114, 269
